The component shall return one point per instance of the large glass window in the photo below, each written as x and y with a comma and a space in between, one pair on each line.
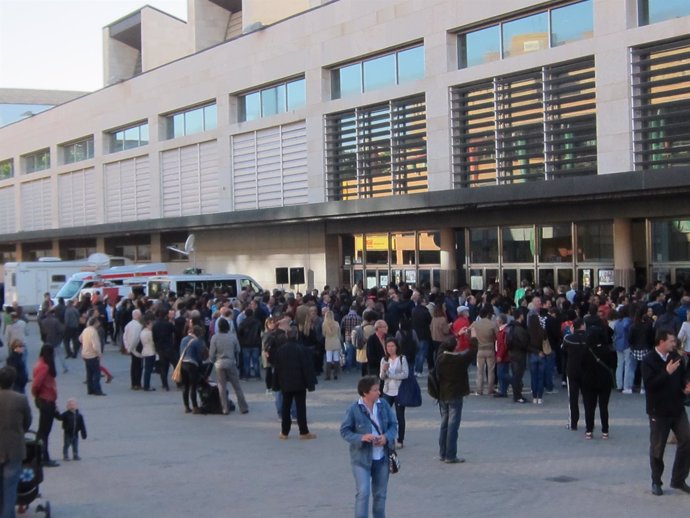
137, 248
653, 11
524, 35
128, 138
6, 169
571, 23
549, 27
376, 246
535, 125
480, 46
38, 161
77, 151
670, 240
271, 100
662, 105
555, 243
484, 245
518, 244
410, 64
595, 242
429, 247
379, 72
371, 74
194, 120
377, 150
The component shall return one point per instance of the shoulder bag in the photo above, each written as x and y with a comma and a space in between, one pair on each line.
409, 393
177, 373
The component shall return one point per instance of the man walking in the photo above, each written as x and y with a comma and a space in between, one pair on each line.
454, 385
293, 376
131, 339
666, 382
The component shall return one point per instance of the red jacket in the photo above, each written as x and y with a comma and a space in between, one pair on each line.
463, 339
502, 346
43, 385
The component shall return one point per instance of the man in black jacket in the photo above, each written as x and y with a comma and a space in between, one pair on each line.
293, 375
666, 382
164, 339
517, 340
574, 346
454, 385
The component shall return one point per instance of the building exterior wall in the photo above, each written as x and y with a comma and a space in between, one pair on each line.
279, 161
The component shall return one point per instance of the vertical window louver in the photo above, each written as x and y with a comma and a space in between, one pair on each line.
377, 150
535, 125
661, 80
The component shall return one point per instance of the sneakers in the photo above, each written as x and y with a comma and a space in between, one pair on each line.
307, 436
456, 460
521, 400
77, 457
540, 401
589, 436
627, 391
642, 392
605, 436
283, 437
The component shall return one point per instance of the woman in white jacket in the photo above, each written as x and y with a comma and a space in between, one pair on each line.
148, 351
394, 369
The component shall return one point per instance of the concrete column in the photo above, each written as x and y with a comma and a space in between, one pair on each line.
55, 248
156, 252
100, 244
448, 266
624, 271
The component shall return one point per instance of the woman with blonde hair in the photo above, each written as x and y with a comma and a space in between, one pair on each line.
331, 333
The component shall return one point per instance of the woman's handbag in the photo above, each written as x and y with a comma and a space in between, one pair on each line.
409, 393
177, 373
393, 462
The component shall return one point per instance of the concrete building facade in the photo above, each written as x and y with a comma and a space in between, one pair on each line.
427, 141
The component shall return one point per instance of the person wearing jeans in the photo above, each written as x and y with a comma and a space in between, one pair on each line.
148, 351
370, 427
454, 385
537, 358
91, 354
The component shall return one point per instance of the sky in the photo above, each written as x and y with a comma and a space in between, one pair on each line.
58, 44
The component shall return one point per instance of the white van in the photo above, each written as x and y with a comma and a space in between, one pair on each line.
183, 285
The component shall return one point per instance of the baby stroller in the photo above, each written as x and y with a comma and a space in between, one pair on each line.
210, 398
31, 476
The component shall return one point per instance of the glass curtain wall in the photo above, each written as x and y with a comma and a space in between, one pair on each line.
542, 255
379, 259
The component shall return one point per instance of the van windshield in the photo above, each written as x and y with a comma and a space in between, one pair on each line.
69, 290
158, 288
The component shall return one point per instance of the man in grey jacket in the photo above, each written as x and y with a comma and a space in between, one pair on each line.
15, 419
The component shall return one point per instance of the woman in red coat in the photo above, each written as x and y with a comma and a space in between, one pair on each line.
44, 389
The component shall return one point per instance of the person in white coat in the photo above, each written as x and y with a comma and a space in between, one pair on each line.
130, 340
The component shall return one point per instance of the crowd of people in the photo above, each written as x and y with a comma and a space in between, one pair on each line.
589, 341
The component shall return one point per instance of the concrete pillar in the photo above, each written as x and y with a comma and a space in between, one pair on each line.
100, 244
448, 266
333, 259
156, 252
623, 267
55, 248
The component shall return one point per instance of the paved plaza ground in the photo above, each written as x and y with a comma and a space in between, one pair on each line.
145, 457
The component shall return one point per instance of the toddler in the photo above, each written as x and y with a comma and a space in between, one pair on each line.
72, 425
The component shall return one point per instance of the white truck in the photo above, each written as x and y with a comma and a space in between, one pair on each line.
27, 282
